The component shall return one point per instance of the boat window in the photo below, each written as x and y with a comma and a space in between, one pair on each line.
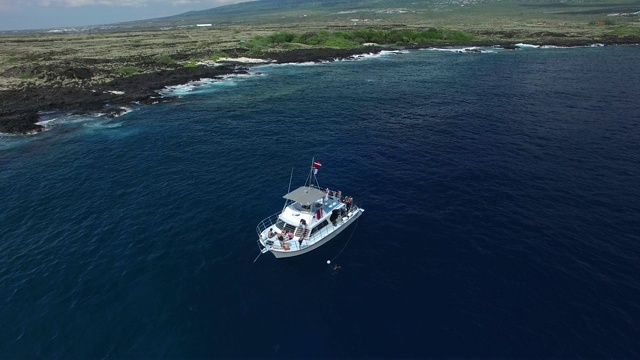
280, 224
322, 224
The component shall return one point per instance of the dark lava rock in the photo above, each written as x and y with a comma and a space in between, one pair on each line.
316, 55
509, 47
78, 73
22, 123
115, 112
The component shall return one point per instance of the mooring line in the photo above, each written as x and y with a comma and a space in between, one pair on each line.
347, 243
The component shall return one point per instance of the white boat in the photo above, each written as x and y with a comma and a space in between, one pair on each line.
311, 216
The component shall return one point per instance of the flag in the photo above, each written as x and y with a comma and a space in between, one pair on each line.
316, 166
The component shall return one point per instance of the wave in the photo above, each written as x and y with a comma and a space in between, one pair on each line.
183, 89
97, 119
555, 47
103, 125
532, 46
356, 57
377, 55
10, 135
69, 119
523, 45
465, 50
205, 84
306, 63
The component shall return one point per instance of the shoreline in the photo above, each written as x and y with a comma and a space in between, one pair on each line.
21, 107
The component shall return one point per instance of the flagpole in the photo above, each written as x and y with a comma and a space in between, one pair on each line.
314, 169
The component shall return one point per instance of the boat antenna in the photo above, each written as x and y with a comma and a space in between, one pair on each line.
288, 191
290, 177
309, 180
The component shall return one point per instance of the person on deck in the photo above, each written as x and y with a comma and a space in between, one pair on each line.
303, 226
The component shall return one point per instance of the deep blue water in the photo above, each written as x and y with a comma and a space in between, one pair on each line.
502, 199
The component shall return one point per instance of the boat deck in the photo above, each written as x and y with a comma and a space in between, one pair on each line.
311, 217
295, 243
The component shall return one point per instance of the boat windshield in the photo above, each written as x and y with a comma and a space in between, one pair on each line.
280, 224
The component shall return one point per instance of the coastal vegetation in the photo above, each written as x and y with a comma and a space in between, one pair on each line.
357, 38
191, 63
166, 60
219, 56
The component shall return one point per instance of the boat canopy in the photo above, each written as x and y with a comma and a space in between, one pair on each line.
305, 195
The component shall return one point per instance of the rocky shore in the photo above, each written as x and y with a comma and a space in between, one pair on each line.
20, 108
74, 91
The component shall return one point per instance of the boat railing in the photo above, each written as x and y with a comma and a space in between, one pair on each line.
333, 194
269, 221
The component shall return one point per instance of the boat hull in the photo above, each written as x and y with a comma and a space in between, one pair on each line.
291, 253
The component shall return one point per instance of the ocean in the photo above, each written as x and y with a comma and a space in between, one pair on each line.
502, 200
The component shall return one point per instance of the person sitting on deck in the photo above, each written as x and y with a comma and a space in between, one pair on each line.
284, 236
271, 233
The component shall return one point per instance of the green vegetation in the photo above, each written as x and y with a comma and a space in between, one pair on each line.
219, 56
191, 64
626, 31
355, 39
127, 70
166, 59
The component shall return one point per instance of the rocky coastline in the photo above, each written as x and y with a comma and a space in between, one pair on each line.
20, 108
75, 93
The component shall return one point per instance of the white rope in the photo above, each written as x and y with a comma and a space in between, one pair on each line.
347, 243
256, 259
262, 251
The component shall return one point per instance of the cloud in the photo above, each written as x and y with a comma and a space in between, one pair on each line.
79, 3
210, 3
6, 5
127, 3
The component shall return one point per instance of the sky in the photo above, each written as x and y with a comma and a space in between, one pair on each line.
45, 14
